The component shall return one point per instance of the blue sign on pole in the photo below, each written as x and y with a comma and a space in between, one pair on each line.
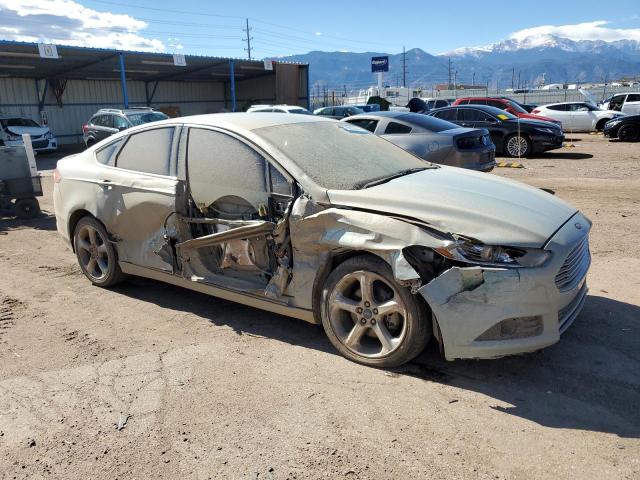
379, 64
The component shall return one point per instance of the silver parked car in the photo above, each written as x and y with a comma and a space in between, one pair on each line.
432, 139
323, 221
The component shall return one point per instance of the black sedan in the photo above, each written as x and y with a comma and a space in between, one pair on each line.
626, 129
512, 136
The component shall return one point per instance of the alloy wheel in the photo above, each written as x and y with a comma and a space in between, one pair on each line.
92, 252
367, 314
517, 146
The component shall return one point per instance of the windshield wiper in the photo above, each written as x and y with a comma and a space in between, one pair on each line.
381, 180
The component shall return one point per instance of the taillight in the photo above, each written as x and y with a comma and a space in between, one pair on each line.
56, 176
469, 142
85, 127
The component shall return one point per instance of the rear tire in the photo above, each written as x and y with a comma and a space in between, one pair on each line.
27, 208
629, 133
385, 326
517, 146
96, 255
90, 143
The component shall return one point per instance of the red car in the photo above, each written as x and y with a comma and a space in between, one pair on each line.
504, 104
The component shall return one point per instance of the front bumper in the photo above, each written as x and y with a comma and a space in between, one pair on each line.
38, 144
544, 143
468, 302
611, 132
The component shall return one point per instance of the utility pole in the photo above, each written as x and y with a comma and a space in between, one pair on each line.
513, 77
404, 67
473, 79
449, 84
248, 39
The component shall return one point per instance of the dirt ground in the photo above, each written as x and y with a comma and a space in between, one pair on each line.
151, 381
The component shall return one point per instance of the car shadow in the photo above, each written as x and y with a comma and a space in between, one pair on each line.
8, 222
564, 156
588, 381
242, 319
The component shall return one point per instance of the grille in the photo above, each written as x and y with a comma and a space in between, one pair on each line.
568, 314
40, 143
575, 266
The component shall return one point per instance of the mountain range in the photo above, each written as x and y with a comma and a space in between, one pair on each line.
522, 61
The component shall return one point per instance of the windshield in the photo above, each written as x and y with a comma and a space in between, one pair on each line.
337, 155
145, 117
498, 113
18, 122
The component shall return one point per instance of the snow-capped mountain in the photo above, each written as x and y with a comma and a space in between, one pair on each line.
521, 59
546, 42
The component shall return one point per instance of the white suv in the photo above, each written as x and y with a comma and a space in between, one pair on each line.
278, 109
628, 103
577, 116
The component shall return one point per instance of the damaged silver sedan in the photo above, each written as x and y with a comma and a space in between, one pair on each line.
326, 222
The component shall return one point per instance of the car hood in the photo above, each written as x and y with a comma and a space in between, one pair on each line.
33, 131
494, 210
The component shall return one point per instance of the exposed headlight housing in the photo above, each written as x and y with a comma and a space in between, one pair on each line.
612, 123
471, 251
48, 136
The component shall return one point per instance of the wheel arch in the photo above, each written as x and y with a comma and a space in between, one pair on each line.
600, 124
74, 218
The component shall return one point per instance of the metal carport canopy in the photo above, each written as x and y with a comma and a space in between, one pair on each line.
18, 59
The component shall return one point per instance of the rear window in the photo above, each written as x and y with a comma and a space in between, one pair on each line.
146, 117
431, 124
300, 111
337, 155
558, 108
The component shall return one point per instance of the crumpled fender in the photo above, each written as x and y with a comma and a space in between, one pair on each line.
316, 231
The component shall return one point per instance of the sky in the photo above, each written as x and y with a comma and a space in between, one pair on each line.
279, 28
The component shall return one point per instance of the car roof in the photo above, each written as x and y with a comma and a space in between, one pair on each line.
486, 108
386, 114
239, 121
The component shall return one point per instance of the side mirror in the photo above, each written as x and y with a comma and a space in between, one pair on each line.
122, 127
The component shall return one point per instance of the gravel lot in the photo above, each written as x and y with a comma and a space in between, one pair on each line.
150, 381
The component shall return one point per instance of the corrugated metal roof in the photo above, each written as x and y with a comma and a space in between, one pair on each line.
21, 59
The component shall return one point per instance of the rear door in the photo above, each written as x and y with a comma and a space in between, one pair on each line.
632, 104
136, 194
582, 117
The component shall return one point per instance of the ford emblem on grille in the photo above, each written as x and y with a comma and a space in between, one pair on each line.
578, 226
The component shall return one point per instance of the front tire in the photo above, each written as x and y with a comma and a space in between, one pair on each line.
517, 146
96, 255
629, 133
371, 319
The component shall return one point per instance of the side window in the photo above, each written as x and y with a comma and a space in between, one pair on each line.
450, 114
107, 155
107, 121
97, 120
396, 128
326, 111
366, 124
120, 123
148, 151
441, 103
559, 108
633, 97
497, 104
470, 115
225, 175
